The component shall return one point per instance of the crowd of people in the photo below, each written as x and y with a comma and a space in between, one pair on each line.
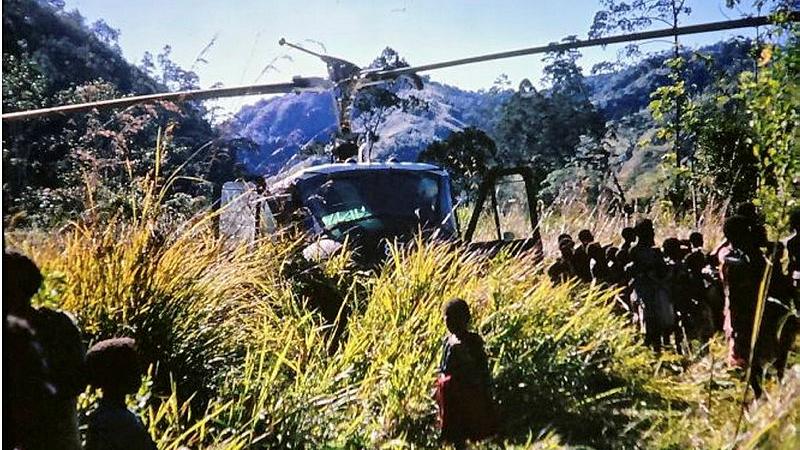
46, 366
678, 291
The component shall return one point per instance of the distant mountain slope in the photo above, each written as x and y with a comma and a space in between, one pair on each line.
281, 126
628, 90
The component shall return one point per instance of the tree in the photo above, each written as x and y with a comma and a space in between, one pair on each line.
550, 129
564, 75
467, 156
724, 150
770, 5
635, 15
773, 108
168, 72
373, 104
58, 167
107, 34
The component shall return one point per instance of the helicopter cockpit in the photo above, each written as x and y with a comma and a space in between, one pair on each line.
366, 204
377, 199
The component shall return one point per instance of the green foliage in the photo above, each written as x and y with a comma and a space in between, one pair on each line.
739, 138
675, 115
65, 48
24, 86
532, 127
726, 167
773, 102
552, 129
60, 167
672, 125
630, 16
467, 156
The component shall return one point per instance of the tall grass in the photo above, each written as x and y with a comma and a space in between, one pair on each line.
240, 360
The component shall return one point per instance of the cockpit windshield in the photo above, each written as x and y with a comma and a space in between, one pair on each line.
379, 200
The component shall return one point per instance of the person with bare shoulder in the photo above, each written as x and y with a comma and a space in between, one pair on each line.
463, 394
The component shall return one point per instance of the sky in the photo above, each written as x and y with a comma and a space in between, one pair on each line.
246, 34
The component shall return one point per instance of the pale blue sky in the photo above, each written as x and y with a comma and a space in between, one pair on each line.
422, 31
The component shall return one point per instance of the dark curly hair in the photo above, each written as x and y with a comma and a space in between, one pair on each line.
585, 236
457, 315
738, 230
629, 234
113, 365
21, 278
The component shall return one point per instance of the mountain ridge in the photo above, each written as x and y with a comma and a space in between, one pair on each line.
281, 126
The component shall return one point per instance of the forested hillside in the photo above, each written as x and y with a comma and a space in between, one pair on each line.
671, 322
52, 57
62, 166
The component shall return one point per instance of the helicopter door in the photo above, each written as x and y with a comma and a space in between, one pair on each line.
238, 206
504, 216
267, 225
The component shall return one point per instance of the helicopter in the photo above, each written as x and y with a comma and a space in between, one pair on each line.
370, 204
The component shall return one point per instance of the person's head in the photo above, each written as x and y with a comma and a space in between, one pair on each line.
21, 280
747, 209
596, 252
757, 228
738, 230
566, 246
672, 248
644, 231
564, 236
585, 236
113, 366
696, 239
794, 220
628, 234
457, 316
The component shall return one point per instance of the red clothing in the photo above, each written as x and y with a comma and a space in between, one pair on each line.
465, 413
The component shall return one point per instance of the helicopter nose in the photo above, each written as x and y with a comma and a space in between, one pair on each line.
282, 41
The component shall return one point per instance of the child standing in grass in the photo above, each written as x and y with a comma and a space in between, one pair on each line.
466, 409
113, 366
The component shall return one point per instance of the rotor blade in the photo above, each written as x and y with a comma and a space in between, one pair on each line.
299, 83
296, 84
748, 22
